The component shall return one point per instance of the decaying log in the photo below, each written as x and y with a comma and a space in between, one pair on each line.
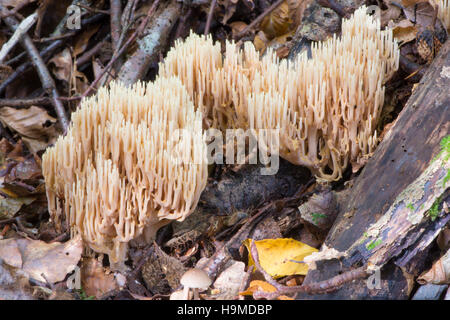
385, 221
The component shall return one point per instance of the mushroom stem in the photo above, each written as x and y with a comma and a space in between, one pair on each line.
186, 293
196, 295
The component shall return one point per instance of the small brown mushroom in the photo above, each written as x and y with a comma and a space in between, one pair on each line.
194, 279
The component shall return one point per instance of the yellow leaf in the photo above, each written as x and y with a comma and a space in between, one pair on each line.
258, 285
277, 22
260, 42
280, 257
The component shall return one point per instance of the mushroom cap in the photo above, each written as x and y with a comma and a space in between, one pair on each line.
195, 278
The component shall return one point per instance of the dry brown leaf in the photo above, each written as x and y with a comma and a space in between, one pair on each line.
83, 40
296, 10
443, 240
95, 279
230, 9
422, 15
390, 14
34, 124
260, 42
237, 27
277, 22
439, 272
35, 257
62, 65
280, 42
10, 206
404, 31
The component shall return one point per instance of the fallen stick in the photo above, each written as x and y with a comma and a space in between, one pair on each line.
46, 79
21, 29
149, 47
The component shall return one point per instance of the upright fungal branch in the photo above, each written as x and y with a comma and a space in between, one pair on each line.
443, 7
327, 107
196, 62
218, 85
123, 170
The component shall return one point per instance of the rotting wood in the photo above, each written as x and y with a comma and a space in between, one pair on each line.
402, 157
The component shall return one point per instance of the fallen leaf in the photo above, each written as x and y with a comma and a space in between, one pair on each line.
281, 257
439, 272
277, 22
296, 10
95, 279
422, 15
258, 285
391, 13
404, 31
230, 8
34, 124
10, 206
62, 65
98, 69
83, 40
260, 42
237, 27
36, 257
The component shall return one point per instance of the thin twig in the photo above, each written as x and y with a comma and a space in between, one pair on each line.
258, 19
43, 5
22, 29
116, 13
25, 102
16, 9
336, 7
16, 58
86, 56
47, 81
221, 256
245, 281
133, 37
94, 10
20, 70
48, 39
7, 221
210, 15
